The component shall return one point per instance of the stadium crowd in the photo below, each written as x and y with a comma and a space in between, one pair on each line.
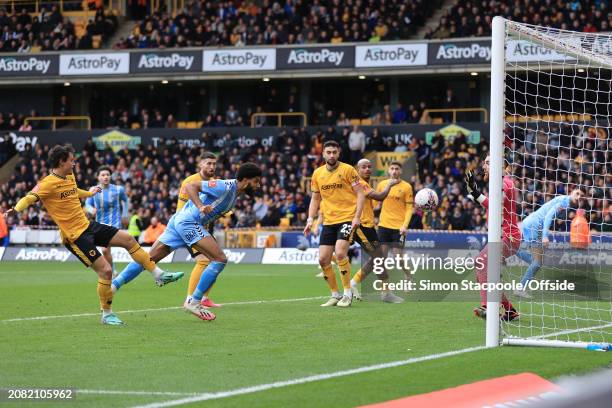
51, 31
470, 18
152, 175
239, 23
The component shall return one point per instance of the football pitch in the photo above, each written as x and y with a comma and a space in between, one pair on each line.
271, 345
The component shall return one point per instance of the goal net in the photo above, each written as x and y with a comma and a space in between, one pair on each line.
554, 87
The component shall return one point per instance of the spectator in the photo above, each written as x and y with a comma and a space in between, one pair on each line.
399, 115
356, 144
153, 231
231, 116
4, 233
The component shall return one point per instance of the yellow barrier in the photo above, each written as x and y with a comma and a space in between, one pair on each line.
279, 116
454, 111
54, 120
240, 239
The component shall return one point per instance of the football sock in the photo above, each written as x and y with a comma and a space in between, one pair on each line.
196, 273
107, 312
534, 267
345, 273
131, 271
358, 277
207, 279
142, 257
525, 256
330, 278
105, 294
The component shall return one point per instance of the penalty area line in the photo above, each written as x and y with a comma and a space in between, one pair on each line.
304, 380
161, 309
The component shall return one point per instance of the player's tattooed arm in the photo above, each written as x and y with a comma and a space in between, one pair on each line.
381, 195
360, 203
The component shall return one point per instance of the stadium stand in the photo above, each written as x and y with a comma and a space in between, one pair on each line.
221, 23
49, 30
152, 176
467, 18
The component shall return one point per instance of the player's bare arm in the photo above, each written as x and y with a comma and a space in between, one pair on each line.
361, 197
381, 195
313, 210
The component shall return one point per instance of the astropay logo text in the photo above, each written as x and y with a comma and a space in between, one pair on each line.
324, 56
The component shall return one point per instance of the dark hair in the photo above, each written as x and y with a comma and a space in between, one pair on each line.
58, 154
104, 168
395, 163
207, 156
248, 170
331, 143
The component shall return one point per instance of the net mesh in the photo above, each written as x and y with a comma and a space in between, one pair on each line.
557, 125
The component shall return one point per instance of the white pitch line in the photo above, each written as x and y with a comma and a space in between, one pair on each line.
143, 393
572, 331
161, 309
304, 380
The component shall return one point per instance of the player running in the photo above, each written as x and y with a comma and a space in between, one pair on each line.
336, 187
511, 234
207, 163
60, 195
109, 207
366, 234
536, 229
208, 201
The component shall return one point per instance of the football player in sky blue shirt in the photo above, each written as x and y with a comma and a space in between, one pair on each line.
109, 207
208, 201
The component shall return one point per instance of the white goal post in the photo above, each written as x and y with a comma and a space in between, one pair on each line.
550, 93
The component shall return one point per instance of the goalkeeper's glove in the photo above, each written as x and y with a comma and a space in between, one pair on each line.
472, 187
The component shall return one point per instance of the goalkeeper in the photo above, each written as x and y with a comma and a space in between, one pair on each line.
511, 234
536, 229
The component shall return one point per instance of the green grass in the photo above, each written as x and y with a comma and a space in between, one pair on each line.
249, 344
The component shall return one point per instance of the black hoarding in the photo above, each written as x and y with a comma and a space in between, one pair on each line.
459, 52
29, 65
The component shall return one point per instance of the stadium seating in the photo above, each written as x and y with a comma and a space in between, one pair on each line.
469, 18
220, 23
152, 178
50, 30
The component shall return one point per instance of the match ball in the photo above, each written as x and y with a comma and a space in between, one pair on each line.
426, 199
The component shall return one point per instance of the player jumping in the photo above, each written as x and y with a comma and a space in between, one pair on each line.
60, 195
208, 201
536, 229
337, 185
109, 207
511, 234
366, 234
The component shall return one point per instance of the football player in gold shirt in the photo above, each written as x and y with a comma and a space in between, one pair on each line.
59, 193
396, 210
366, 235
337, 185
